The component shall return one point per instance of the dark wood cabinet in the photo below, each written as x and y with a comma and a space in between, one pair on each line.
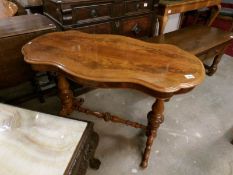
135, 18
16, 32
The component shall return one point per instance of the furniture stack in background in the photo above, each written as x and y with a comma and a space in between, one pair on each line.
130, 18
15, 32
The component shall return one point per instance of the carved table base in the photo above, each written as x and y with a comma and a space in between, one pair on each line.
155, 117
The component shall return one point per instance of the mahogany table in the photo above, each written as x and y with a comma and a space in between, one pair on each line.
111, 61
7, 9
169, 7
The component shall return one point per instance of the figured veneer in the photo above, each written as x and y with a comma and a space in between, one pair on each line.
114, 61
7, 9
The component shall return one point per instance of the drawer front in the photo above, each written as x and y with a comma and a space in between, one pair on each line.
88, 14
103, 28
138, 6
138, 26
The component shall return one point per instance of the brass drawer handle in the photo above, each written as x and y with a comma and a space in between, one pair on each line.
94, 13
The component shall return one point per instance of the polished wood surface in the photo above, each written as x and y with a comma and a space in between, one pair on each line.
111, 61
169, 7
7, 9
116, 59
198, 40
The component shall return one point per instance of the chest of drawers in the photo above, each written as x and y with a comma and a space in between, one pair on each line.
135, 18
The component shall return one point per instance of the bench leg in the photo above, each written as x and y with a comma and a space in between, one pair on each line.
66, 96
155, 118
213, 68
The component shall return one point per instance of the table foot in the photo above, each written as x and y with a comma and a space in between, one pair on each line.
155, 118
66, 96
95, 163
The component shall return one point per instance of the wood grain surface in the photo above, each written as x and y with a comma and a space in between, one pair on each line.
7, 9
116, 59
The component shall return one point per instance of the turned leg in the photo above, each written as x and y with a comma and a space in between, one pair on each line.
155, 118
162, 23
66, 96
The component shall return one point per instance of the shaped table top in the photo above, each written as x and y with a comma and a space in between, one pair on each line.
36, 143
7, 9
115, 59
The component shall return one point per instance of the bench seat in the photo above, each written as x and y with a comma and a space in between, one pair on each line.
202, 41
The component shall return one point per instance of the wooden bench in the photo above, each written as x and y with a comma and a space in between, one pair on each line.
202, 41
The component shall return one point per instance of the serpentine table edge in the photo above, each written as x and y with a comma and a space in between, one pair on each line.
111, 61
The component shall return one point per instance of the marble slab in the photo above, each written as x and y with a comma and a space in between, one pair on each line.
36, 143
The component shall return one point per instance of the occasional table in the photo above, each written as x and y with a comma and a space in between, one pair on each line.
42, 144
169, 7
114, 61
7, 9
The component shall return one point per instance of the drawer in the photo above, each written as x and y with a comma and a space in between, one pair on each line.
87, 14
138, 26
138, 6
103, 28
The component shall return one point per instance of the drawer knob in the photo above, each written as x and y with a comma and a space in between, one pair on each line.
136, 29
94, 13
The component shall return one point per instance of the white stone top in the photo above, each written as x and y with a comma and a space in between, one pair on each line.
36, 143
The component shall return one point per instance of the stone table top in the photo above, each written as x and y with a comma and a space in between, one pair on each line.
36, 143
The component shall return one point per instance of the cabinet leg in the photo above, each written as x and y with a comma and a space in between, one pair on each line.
155, 118
66, 96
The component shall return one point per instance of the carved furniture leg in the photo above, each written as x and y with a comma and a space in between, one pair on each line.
214, 13
162, 23
93, 162
213, 68
155, 118
66, 96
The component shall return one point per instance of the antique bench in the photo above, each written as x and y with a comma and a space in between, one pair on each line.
202, 41
39, 144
